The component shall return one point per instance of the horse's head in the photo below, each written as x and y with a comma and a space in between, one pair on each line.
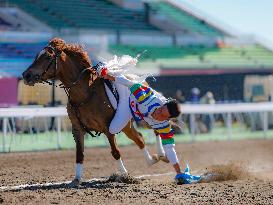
44, 67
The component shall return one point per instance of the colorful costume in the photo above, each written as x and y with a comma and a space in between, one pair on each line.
143, 101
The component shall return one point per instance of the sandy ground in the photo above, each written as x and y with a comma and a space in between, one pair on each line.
244, 168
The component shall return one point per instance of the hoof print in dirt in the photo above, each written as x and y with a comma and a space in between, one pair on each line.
123, 178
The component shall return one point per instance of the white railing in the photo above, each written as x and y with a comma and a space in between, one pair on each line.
33, 112
228, 109
30, 112
190, 109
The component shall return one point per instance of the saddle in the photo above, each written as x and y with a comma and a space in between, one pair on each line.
112, 88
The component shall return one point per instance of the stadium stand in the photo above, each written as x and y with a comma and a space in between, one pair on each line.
14, 19
194, 53
248, 56
155, 53
16, 57
96, 14
187, 21
4, 24
7, 22
20, 50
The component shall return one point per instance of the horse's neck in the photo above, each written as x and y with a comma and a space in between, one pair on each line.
70, 74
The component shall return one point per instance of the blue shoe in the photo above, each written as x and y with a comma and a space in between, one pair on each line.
186, 177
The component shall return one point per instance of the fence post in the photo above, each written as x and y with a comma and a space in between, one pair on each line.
192, 126
5, 127
58, 132
265, 123
229, 125
180, 123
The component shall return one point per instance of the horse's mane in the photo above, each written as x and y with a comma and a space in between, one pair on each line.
74, 51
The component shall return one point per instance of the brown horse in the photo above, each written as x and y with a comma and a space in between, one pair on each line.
88, 105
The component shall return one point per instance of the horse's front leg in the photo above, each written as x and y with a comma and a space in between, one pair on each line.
115, 151
78, 135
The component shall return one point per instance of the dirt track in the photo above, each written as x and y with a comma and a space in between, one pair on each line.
252, 180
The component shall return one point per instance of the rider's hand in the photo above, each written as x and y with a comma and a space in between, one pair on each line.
108, 77
102, 71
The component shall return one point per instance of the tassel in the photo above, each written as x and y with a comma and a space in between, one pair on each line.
125, 65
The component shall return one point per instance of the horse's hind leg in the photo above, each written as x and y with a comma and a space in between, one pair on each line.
137, 137
134, 135
115, 151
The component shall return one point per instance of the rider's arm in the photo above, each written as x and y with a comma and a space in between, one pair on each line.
120, 79
109, 77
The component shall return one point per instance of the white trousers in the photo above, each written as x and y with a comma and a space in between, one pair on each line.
123, 114
171, 153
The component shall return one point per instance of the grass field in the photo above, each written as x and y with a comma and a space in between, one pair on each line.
48, 140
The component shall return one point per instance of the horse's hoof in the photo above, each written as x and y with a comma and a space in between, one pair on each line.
164, 159
75, 183
154, 160
155, 157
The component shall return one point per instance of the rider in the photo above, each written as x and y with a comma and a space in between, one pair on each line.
148, 105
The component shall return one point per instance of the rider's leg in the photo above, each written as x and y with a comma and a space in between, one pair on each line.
172, 157
181, 178
123, 114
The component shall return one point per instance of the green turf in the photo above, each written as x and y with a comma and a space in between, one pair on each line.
48, 140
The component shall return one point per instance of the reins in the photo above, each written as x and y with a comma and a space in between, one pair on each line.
74, 106
57, 54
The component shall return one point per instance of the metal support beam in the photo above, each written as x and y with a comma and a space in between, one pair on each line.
58, 132
265, 123
192, 126
229, 125
5, 128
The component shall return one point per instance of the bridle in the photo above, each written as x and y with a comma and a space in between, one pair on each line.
56, 55
54, 58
